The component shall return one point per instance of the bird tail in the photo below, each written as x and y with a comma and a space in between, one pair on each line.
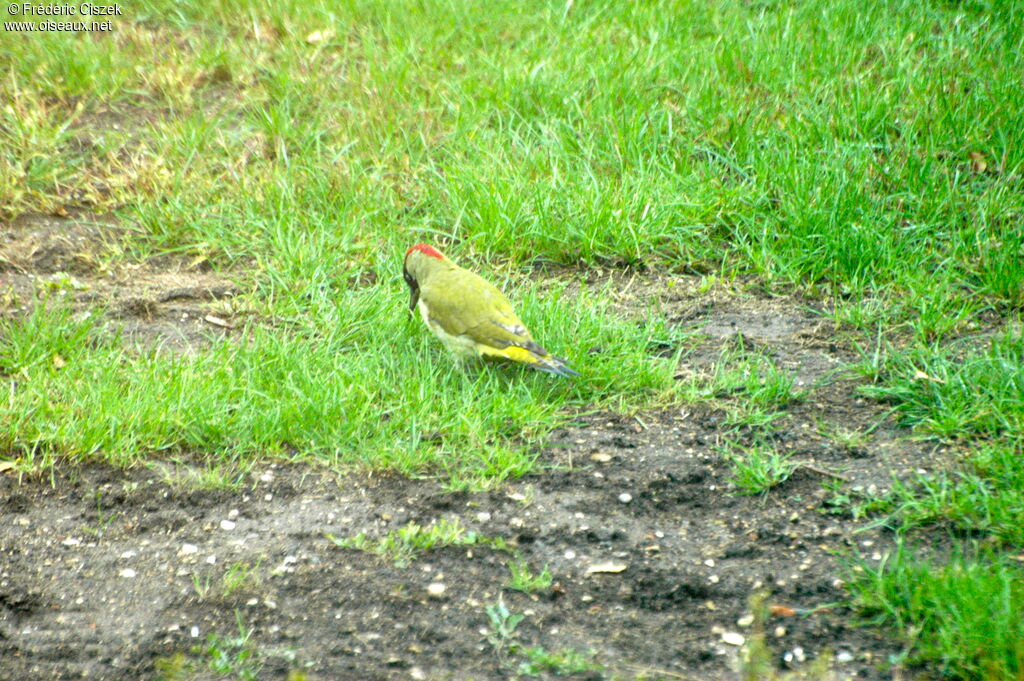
535, 356
554, 365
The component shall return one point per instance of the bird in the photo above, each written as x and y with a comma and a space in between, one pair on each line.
469, 314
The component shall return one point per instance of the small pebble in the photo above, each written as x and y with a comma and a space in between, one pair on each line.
625, 497
71, 541
733, 638
709, 562
127, 572
233, 513
436, 589
842, 657
745, 621
195, 632
780, 632
483, 516
227, 524
188, 548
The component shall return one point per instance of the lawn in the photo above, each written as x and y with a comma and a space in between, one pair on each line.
865, 163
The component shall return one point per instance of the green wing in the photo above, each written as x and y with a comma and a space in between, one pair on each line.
464, 304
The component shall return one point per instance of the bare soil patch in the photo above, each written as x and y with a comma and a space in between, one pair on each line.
101, 567
167, 301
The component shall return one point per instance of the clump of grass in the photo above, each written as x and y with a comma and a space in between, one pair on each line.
103, 518
961, 615
239, 576
847, 438
227, 657
523, 579
563, 662
503, 636
954, 390
759, 468
985, 493
857, 503
751, 387
404, 544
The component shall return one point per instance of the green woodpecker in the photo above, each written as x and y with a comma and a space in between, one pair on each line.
470, 315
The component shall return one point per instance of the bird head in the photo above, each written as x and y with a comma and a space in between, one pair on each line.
420, 261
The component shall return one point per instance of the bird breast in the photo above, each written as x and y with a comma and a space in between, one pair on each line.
462, 345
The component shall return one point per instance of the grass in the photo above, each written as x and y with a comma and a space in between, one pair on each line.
226, 657
854, 171
759, 468
961, 615
872, 162
565, 662
748, 384
327, 393
103, 518
406, 543
521, 578
956, 389
240, 576
503, 635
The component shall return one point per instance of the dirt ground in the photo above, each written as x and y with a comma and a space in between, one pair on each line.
107, 574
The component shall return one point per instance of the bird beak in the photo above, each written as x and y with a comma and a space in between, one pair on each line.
414, 290
414, 297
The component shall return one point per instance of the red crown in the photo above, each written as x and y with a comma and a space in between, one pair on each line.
425, 249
